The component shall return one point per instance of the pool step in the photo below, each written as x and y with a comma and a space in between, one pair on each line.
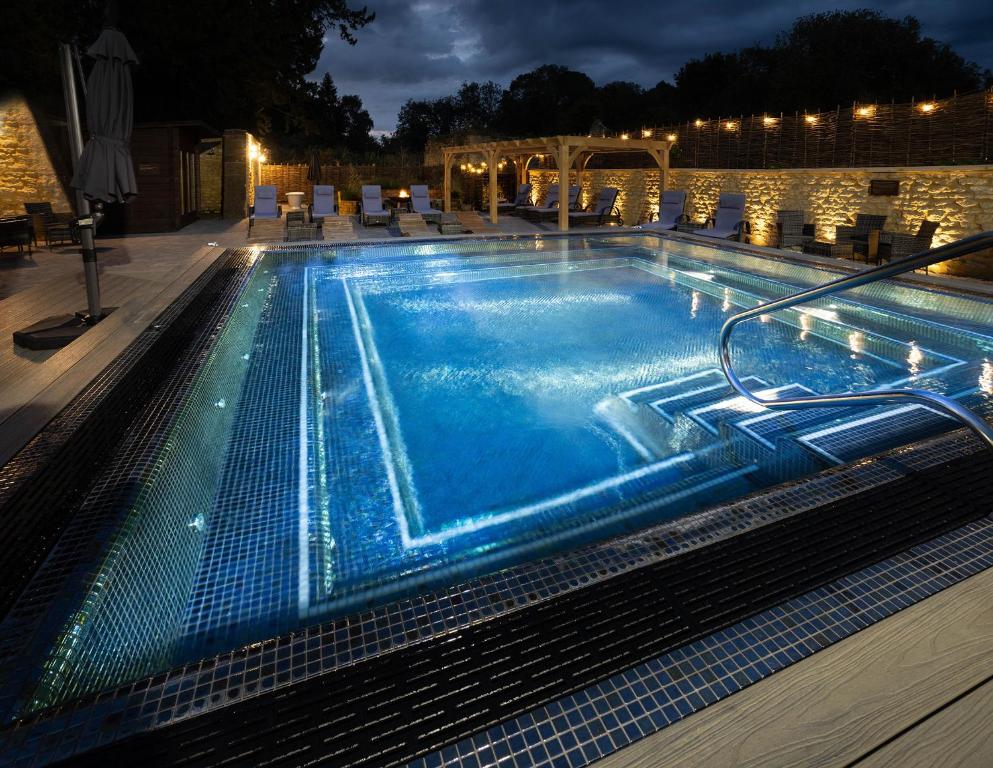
712, 416
875, 432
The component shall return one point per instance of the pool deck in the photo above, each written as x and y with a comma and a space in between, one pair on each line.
915, 689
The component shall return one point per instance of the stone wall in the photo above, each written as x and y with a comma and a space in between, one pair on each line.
211, 173
26, 171
959, 197
240, 174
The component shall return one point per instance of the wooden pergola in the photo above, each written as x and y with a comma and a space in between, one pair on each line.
569, 152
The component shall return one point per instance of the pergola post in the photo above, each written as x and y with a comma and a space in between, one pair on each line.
664, 171
448, 182
491, 160
563, 163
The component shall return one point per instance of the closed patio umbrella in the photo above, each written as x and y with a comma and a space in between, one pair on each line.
105, 170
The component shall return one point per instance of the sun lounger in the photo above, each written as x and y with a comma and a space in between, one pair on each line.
602, 210
522, 199
265, 206
373, 211
323, 202
671, 207
420, 202
729, 219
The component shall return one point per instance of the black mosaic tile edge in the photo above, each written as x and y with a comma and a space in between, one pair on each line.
399, 706
111, 411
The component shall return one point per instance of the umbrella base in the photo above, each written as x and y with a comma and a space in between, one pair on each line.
55, 332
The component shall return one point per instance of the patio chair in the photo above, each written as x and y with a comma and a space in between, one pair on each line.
16, 231
57, 228
859, 234
671, 207
265, 206
729, 220
373, 211
420, 202
551, 204
323, 203
596, 213
523, 198
901, 245
792, 231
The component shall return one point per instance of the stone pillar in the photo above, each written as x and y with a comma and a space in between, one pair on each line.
237, 182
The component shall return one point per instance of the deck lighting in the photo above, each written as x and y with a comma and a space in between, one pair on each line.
927, 107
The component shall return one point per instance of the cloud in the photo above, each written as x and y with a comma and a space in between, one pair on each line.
426, 48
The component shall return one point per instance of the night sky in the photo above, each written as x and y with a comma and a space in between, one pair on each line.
427, 48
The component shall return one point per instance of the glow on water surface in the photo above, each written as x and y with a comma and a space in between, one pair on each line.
408, 417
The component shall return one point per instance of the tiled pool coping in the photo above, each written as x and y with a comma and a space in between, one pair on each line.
243, 673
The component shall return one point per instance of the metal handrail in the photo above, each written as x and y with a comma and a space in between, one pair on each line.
954, 250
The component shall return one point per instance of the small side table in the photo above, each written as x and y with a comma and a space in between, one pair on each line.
295, 200
843, 250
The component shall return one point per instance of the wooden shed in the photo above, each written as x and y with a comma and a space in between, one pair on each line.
167, 169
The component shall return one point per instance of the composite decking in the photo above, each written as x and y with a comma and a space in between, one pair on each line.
913, 690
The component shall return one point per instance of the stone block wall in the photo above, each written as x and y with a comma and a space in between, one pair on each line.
26, 170
240, 174
959, 197
211, 173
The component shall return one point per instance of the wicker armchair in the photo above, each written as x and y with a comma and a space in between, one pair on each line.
57, 228
792, 231
902, 245
864, 224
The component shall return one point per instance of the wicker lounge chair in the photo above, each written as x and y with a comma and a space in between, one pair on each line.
420, 202
551, 204
671, 207
56, 228
603, 210
265, 206
373, 211
323, 202
729, 220
792, 231
523, 198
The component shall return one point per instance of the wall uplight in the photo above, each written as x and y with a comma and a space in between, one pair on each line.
927, 107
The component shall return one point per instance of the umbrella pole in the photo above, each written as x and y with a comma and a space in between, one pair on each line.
86, 227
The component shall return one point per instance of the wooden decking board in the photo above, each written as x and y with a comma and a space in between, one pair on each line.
843, 702
960, 735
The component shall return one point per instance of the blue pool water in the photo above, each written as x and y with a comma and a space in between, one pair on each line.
377, 421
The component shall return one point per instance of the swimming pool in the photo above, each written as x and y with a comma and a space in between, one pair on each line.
375, 421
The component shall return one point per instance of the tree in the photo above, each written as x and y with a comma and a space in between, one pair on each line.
240, 65
549, 100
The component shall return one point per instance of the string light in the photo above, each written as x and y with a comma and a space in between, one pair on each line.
671, 137
810, 119
647, 133
698, 122
766, 120
730, 125
867, 110
927, 107
624, 137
